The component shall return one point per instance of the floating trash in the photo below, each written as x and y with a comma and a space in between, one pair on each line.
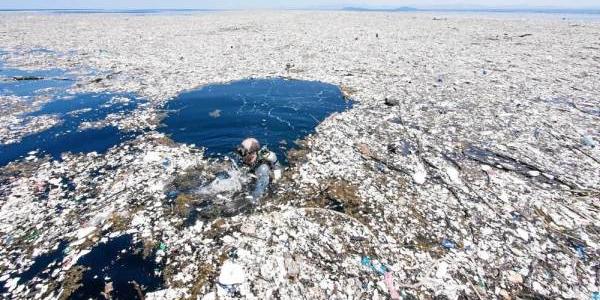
374, 265
589, 141
262, 182
275, 111
580, 249
448, 244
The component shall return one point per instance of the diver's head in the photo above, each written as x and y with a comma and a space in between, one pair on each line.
248, 150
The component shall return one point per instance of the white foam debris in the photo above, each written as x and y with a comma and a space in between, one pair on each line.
84, 232
231, 273
166, 294
453, 174
420, 175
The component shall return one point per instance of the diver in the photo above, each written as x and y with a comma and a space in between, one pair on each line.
263, 163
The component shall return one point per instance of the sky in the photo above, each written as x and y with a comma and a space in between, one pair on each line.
275, 4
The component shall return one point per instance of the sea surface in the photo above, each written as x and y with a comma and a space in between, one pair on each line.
71, 110
276, 111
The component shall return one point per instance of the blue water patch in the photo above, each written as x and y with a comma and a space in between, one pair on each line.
122, 263
41, 267
275, 111
71, 110
65, 136
42, 262
24, 83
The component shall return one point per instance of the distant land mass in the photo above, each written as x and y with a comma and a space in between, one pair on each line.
402, 8
483, 9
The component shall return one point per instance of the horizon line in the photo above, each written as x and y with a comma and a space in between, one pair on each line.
343, 8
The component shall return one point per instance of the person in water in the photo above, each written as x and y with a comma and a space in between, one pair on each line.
263, 162
248, 150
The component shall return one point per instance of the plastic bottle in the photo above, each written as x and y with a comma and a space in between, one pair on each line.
262, 182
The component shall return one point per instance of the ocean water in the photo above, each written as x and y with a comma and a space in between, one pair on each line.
119, 261
72, 111
41, 268
26, 83
275, 111
42, 262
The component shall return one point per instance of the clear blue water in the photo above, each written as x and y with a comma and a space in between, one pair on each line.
72, 110
275, 111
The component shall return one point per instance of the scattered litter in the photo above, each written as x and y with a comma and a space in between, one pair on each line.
589, 141
581, 251
231, 274
448, 244
420, 175
391, 101
374, 265
389, 282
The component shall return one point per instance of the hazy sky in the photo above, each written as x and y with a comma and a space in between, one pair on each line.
227, 4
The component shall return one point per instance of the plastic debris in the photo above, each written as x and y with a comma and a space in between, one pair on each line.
230, 181
389, 282
276, 175
374, 265
588, 140
231, 273
580, 249
262, 182
162, 247
215, 114
448, 244
389, 101
269, 156
166, 294
84, 232
442, 270
420, 175
364, 150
